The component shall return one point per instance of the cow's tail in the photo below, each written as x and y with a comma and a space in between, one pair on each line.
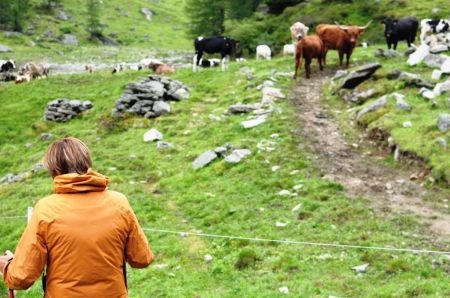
298, 59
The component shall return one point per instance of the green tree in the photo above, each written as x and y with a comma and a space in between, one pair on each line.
207, 17
93, 26
19, 9
5, 13
241, 9
49, 4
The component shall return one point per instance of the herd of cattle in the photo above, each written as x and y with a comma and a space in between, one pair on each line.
342, 38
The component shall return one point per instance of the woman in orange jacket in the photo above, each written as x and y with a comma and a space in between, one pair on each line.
83, 233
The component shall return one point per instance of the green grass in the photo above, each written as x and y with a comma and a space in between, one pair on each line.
224, 199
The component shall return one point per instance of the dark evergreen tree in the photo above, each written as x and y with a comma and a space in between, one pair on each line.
93, 26
206, 17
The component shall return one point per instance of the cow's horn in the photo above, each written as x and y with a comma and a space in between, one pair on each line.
365, 27
340, 26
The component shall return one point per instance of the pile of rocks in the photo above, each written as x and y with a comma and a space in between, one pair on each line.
227, 152
12, 178
62, 109
150, 97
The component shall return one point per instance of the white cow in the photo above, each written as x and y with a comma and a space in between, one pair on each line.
437, 27
263, 51
298, 31
289, 49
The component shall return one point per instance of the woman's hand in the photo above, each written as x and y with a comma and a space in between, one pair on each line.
4, 260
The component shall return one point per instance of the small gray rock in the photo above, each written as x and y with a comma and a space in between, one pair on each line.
161, 108
237, 155
69, 39
372, 107
46, 136
153, 135
444, 122
414, 80
5, 49
434, 61
204, 159
401, 103
442, 142
164, 145
439, 48
242, 108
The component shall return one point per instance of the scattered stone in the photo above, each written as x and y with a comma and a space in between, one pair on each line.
442, 88
153, 135
436, 75
359, 75
272, 93
296, 207
133, 157
281, 224
401, 103
221, 151
409, 51
356, 96
340, 74
267, 83
372, 107
428, 94
237, 155
69, 39
254, 122
150, 97
407, 124
148, 13
413, 79
284, 290
434, 61
5, 49
62, 15
265, 145
164, 145
214, 117
284, 193
439, 48
381, 53
418, 56
208, 258
394, 74
204, 159
361, 268
445, 67
442, 142
46, 136
275, 168
298, 187
243, 108
444, 122
63, 109
28, 145
160, 266
38, 168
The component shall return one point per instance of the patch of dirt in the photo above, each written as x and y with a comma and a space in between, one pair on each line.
363, 176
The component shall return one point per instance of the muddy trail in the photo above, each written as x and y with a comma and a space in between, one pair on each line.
388, 188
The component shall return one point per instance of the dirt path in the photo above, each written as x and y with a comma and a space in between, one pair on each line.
387, 188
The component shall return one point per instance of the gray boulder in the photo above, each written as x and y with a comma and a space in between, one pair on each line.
357, 97
372, 107
204, 159
360, 75
439, 48
445, 67
401, 103
62, 15
69, 39
442, 142
444, 122
161, 108
434, 61
254, 122
148, 13
381, 53
153, 135
413, 79
164, 145
5, 49
242, 108
442, 88
418, 56
45, 136
237, 155
180, 94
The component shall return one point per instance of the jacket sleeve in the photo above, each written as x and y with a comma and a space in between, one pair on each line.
30, 256
138, 253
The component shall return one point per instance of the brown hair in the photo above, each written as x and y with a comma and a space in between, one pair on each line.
68, 155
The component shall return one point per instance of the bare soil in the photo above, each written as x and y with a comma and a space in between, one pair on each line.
389, 188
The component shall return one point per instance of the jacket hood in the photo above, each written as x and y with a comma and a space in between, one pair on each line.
74, 182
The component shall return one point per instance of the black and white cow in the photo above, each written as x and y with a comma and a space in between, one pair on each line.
223, 45
433, 26
7, 65
403, 29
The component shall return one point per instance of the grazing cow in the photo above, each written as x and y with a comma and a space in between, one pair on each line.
223, 45
145, 63
160, 69
433, 26
308, 48
89, 68
298, 31
263, 51
213, 62
340, 38
402, 29
35, 70
7, 65
289, 49
23, 78
118, 68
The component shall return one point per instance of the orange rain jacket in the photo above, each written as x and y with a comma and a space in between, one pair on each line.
84, 234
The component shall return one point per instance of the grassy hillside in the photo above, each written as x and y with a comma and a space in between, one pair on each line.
240, 199
123, 20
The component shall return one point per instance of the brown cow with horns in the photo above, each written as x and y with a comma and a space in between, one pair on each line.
341, 38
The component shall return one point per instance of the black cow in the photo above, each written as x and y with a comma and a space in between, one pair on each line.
402, 29
7, 65
223, 45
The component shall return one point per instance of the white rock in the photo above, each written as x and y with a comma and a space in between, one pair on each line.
279, 224
160, 266
272, 92
164, 145
275, 168
361, 268
208, 258
407, 124
153, 135
294, 172
254, 122
284, 193
296, 207
204, 159
418, 56
274, 135
214, 117
237, 155
445, 67
428, 94
284, 290
438, 48
441, 88
161, 107
436, 75
298, 187
267, 83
